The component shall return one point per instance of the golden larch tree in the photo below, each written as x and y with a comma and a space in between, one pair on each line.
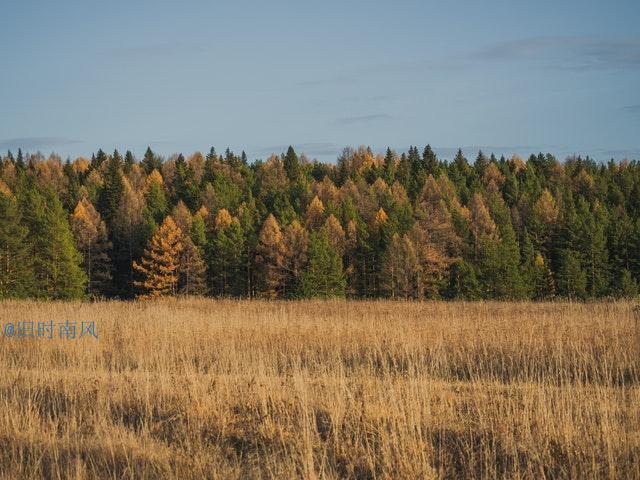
335, 233
93, 242
315, 214
296, 243
270, 258
401, 269
482, 225
159, 265
191, 266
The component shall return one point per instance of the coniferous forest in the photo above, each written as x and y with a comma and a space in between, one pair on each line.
402, 225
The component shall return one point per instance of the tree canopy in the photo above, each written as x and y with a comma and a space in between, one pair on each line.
392, 224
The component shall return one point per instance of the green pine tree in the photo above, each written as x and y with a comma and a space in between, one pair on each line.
112, 189
56, 261
291, 164
324, 276
571, 278
16, 263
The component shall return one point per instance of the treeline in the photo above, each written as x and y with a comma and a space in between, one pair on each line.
397, 225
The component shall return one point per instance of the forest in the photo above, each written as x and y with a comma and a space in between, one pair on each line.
400, 225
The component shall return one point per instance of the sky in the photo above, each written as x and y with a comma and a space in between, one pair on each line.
502, 76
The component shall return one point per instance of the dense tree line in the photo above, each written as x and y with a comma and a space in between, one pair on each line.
405, 225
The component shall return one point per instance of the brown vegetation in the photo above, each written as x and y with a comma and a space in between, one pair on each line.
233, 389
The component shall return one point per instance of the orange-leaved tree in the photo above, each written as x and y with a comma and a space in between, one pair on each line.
159, 265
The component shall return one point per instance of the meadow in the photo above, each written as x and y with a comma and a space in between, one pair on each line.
198, 388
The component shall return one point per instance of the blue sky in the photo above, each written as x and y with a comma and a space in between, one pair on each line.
507, 76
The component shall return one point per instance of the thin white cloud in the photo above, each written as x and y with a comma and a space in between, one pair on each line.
34, 143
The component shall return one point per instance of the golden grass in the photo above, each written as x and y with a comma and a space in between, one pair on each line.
239, 389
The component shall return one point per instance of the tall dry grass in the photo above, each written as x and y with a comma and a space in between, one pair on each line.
232, 389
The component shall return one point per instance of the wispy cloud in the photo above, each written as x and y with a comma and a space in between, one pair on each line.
635, 109
34, 143
566, 52
311, 148
363, 119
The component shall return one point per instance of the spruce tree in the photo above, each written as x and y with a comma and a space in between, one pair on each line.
184, 185
463, 282
291, 164
324, 275
56, 261
150, 162
388, 167
430, 162
129, 161
226, 260
112, 189
16, 262
571, 279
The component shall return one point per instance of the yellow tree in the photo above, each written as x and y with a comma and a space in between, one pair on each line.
401, 268
93, 242
159, 265
296, 243
270, 258
335, 233
191, 266
482, 225
315, 214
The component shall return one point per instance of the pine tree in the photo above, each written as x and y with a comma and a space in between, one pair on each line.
324, 276
56, 261
150, 162
388, 168
535, 273
16, 263
98, 159
93, 243
499, 259
226, 256
184, 184
418, 173
129, 161
593, 247
73, 186
160, 264
291, 164
430, 162
625, 285
571, 279
463, 283
112, 189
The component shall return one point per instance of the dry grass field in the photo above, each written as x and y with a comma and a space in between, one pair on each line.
231, 389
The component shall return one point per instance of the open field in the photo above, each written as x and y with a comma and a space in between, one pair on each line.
231, 389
